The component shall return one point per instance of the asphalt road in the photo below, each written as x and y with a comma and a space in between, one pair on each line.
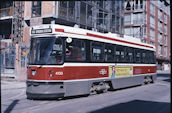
151, 98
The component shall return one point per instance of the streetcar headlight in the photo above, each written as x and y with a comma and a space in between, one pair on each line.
33, 72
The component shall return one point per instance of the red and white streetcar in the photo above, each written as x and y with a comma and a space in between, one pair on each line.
68, 61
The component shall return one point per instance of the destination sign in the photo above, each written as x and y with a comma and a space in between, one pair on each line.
41, 31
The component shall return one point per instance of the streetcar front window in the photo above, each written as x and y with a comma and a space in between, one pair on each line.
46, 51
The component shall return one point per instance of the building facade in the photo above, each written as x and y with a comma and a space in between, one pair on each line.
150, 21
101, 16
7, 50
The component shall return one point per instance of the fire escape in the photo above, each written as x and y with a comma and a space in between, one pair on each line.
17, 22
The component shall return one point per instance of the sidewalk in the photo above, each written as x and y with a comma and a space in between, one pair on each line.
7, 75
8, 83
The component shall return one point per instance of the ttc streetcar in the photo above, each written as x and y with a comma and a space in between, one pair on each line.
68, 61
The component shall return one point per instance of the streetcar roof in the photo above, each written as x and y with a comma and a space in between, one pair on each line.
74, 32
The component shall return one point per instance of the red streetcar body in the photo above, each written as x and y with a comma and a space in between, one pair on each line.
66, 61
78, 72
67, 72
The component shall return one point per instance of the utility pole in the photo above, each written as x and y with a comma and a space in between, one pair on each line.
17, 34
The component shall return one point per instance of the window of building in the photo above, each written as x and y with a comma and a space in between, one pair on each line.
113, 23
83, 13
106, 5
152, 43
141, 4
165, 51
127, 31
128, 6
165, 18
117, 6
159, 49
127, 19
113, 6
8, 57
136, 4
152, 21
165, 29
122, 25
63, 8
152, 9
144, 30
145, 18
117, 24
71, 10
36, 8
100, 3
165, 40
100, 19
152, 34
6, 4
160, 15
106, 20
136, 31
160, 38
137, 18
97, 54
160, 26
89, 14
75, 51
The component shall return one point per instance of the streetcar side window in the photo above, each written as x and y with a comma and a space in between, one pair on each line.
137, 55
117, 54
123, 54
129, 54
109, 53
120, 54
143, 56
97, 52
75, 51
152, 57
147, 57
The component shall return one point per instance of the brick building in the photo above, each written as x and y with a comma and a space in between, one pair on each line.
101, 16
150, 21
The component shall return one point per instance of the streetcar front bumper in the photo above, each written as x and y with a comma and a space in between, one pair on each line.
44, 90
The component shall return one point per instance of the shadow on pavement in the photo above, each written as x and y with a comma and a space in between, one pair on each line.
167, 77
11, 106
136, 106
167, 80
163, 75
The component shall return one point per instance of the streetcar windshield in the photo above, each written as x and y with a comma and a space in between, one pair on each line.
46, 51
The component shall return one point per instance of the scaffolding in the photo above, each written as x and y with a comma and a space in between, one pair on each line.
17, 21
